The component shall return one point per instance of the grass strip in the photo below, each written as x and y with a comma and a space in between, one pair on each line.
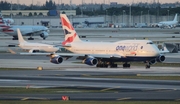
142, 77
89, 102
27, 90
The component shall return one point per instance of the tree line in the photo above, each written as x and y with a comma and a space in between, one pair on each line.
123, 10
135, 10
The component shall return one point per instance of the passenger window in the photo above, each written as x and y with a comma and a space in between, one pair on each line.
141, 47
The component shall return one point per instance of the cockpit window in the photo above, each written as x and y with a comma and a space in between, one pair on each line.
149, 42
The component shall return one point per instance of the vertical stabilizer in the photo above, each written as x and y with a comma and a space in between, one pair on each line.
175, 18
20, 38
69, 31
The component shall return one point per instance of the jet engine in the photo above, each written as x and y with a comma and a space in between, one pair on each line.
33, 51
56, 60
160, 58
44, 35
90, 61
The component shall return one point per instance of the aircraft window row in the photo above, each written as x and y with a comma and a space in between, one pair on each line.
82, 50
100, 50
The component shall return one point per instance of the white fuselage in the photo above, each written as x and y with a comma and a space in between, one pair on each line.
135, 48
38, 46
25, 30
168, 23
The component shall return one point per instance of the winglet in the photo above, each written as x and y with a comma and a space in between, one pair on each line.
20, 38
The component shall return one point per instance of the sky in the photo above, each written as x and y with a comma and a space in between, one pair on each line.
28, 2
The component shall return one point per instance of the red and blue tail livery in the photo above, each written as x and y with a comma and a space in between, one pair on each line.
69, 31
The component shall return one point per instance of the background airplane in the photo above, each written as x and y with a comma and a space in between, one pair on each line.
42, 31
3, 25
26, 30
34, 47
168, 24
104, 54
7, 20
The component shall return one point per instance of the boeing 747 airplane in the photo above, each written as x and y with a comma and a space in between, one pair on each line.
34, 47
104, 54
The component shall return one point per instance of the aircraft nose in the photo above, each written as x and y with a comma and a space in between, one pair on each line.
156, 52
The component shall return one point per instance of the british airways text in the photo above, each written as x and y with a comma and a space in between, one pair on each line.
127, 48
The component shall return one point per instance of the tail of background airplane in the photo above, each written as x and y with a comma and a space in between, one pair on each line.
69, 31
3, 25
175, 18
20, 38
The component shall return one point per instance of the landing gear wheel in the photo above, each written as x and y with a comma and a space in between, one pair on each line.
15, 38
148, 66
102, 65
126, 65
30, 38
113, 65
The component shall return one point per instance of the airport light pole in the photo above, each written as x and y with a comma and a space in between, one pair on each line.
141, 16
113, 15
168, 14
106, 17
148, 17
123, 16
130, 15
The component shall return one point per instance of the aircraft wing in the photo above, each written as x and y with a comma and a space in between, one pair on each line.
79, 56
27, 32
165, 50
55, 43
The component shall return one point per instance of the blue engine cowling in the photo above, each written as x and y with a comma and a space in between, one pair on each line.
56, 60
44, 35
160, 58
90, 61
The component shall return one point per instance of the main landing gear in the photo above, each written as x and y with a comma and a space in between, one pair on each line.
106, 64
112, 65
30, 38
148, 65
126, 65
15, 38
102, 64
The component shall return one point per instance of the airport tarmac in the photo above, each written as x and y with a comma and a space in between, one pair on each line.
84, 78
70, 74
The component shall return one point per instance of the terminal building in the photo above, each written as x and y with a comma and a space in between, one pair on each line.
26, 13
